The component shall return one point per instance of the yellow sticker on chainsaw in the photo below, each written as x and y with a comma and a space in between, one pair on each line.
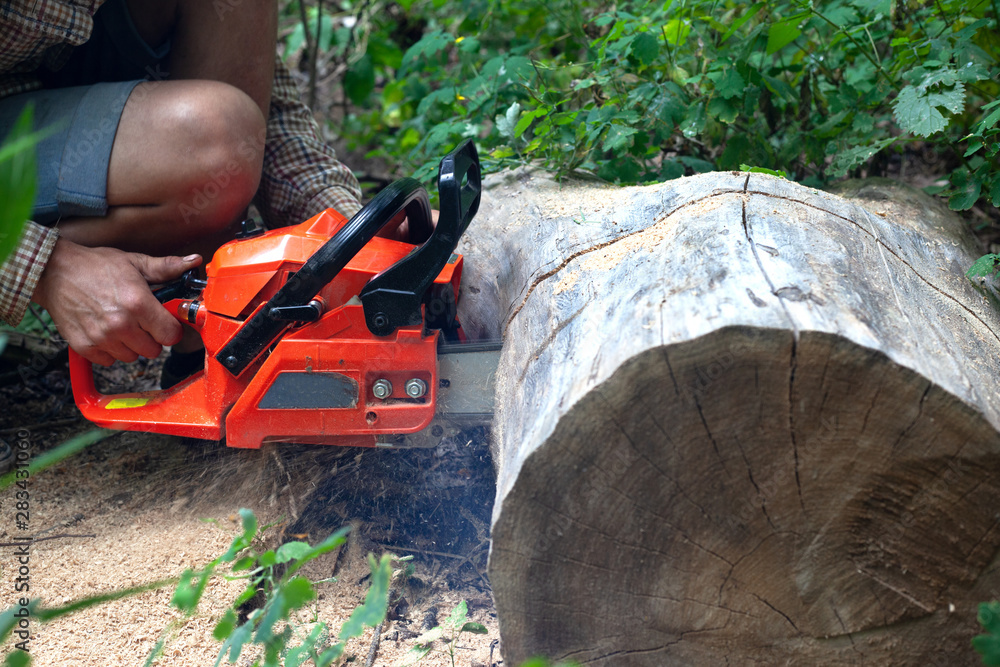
118, 403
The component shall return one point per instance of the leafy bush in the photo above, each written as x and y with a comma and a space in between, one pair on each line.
643, 91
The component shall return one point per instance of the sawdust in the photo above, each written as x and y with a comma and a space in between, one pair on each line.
566, 282
143, 500
612, 254
582, 202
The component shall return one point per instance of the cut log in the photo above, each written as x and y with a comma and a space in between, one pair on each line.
738, 421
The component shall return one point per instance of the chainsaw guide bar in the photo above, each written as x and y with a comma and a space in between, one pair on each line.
466, 388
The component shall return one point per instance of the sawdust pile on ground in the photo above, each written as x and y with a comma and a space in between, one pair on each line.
144, 499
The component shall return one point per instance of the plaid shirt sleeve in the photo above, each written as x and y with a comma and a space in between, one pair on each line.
302, 176
19, 274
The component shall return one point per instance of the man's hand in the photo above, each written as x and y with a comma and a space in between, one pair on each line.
100, 300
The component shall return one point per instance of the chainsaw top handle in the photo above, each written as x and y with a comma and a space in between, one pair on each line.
459, 202
392, 298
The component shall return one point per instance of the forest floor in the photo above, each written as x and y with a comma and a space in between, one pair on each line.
142, 507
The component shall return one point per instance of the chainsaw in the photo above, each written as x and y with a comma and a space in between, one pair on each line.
326, 333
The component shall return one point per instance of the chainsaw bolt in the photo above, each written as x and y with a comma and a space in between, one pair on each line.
416, 388
382, 389
230, 361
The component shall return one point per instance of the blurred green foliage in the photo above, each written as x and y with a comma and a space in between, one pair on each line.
637, 91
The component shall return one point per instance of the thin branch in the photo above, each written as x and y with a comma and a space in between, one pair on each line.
314, 60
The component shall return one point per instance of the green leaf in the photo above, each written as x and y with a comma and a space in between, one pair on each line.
242, 541
18, 180
11, 615
619, 137
738, 23
334, 541
190, 588
920, 113
728, 83
763, 170
372, 612
413, 656
507, 123
234, 644
723, 109
694, 120
359, 79
844, 161
783, 33
527, 119
289, 596
225, 626
967, 196
292, 551
457, 616
17, 658
988, 645
331, 654
646, 48
985, 267
676, 32
431, 44
475, 628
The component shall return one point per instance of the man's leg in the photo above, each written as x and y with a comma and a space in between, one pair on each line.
232, 41
187, 155
185, 162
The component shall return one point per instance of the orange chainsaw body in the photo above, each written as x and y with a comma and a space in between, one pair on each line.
315, 384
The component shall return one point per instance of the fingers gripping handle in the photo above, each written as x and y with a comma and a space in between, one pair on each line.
81, 370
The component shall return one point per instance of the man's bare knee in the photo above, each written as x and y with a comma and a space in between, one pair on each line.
222, 131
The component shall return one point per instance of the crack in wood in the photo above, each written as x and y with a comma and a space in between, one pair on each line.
763, 499
877, 240
548, 341
920, 410
562, 265
777, 611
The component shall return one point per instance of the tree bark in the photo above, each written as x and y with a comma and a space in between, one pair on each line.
738, 420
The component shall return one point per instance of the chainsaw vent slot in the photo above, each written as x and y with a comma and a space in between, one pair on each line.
294, 390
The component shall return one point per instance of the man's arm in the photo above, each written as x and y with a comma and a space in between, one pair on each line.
302, 175
20, 273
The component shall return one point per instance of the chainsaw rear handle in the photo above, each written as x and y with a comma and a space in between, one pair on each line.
258, 332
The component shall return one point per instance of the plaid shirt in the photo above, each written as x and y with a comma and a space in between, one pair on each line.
301, 176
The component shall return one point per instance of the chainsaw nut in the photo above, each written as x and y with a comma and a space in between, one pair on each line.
382, 389
415, 388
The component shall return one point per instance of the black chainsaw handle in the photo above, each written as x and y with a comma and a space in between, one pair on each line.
262, 328
392, 299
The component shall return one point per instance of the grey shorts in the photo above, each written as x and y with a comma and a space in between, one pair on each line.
81, 105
